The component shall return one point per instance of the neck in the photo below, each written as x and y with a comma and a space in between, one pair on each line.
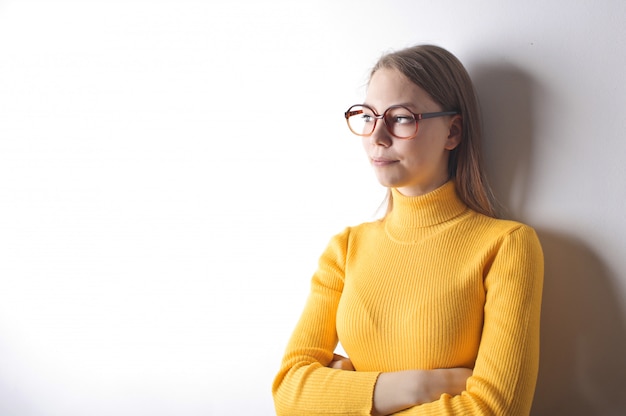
409, 213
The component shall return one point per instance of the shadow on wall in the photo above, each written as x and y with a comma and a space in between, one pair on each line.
583, 335
583, 351
505, 95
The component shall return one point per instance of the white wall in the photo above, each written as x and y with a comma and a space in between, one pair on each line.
171, 170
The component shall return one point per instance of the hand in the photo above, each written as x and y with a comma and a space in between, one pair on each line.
340, 362
401, 390
431, 384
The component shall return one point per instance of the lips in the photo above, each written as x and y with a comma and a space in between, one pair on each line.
382, 161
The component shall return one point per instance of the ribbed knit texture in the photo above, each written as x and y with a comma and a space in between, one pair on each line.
433, 285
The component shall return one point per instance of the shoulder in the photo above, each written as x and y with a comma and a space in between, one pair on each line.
513, 241
502, 237
502, 228
350, 237
353, 231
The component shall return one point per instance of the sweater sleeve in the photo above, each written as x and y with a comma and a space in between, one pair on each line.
304, 385
505, 373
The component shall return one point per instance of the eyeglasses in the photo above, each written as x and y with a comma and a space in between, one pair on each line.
399, 120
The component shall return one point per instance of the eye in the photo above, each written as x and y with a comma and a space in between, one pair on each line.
367, 118
403, 119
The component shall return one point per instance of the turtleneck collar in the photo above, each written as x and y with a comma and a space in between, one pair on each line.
433, 208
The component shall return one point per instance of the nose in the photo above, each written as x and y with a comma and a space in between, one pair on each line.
380, 136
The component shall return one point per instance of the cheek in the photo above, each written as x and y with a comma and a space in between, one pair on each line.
420, 155
409, 149
426, 146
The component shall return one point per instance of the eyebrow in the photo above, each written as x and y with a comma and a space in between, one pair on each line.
410, 106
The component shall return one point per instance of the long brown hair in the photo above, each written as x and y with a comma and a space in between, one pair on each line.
443, 76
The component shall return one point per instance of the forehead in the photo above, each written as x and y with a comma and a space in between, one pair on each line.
389, 87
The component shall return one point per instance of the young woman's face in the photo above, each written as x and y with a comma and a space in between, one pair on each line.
413, 166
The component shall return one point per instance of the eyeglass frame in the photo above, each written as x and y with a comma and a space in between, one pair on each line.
418, 117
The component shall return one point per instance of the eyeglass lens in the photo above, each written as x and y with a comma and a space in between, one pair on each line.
399, 121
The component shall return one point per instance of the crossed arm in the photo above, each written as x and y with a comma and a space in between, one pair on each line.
396, 391
501, 382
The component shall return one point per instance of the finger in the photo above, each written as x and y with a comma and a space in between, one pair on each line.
347, 365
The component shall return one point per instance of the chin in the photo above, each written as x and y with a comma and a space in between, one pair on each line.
390, 182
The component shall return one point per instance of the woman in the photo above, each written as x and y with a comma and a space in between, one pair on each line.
437, 304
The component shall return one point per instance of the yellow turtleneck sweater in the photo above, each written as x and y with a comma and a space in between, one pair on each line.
432, 285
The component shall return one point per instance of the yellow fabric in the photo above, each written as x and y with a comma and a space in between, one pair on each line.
433, 285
